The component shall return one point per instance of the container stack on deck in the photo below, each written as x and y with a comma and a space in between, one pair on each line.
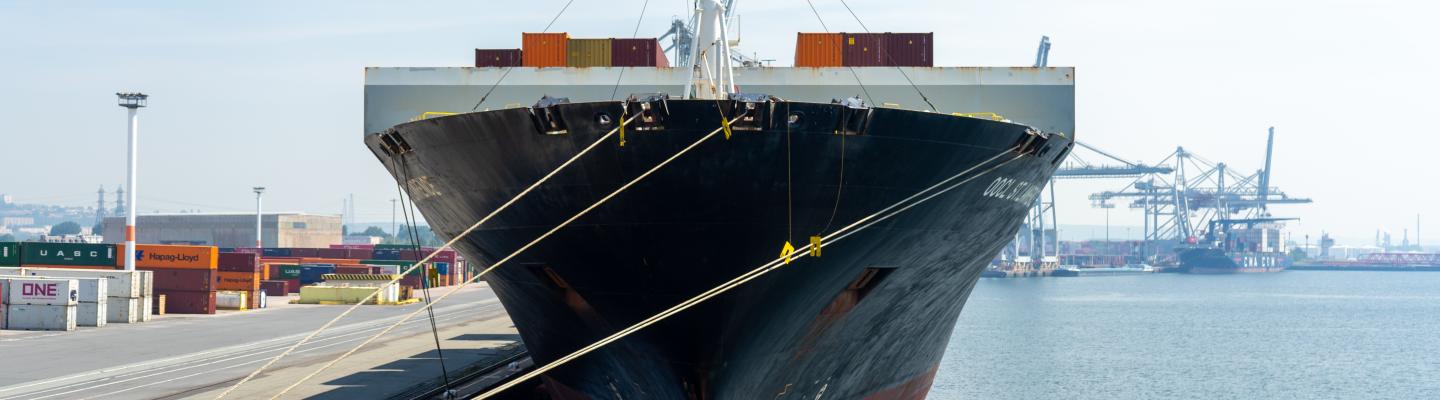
560, 50
865, 49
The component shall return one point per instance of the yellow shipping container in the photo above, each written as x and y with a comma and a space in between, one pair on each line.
588, 53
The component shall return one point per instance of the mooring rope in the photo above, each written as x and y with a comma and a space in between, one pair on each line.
829, 239
427, 258
512, 255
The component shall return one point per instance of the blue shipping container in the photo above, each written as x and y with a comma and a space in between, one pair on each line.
275, 252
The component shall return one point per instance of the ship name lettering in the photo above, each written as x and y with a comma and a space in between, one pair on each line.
1013, 190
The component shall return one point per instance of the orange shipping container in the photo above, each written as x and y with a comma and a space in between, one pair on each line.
169, 256
544, 49
242, 281
818, 50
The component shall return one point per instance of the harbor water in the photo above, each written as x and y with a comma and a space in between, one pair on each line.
1288, 335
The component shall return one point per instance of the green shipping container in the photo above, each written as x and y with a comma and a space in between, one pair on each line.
77, 254
288, 272
394, 247
9, 254
588, 53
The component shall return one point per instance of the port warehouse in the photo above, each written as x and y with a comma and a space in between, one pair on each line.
179, 279
231, 229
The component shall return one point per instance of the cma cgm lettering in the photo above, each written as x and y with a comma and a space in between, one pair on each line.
76, 254
169, 256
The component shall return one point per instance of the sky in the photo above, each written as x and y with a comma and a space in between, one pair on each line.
270, 92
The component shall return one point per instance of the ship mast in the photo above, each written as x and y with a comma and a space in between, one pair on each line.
711, 72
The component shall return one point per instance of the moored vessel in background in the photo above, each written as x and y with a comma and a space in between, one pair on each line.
1256, 247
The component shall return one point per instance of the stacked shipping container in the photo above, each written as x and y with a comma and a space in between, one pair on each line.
864, 50
559, 50
185, 275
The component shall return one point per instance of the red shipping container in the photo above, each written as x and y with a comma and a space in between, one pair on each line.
329, 253
863, 49
497, 58
187, 302
909, 49
346, 269
275, 288
299, 252
198, 280
359, 254
239, 262
294, 285
637, 53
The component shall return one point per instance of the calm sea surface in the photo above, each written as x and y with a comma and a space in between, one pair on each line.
1289, 335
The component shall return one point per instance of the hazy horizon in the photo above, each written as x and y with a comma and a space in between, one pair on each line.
269, 93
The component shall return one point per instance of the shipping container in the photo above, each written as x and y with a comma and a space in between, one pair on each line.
172, 256
40, 318
186, 302
238, 262
199, 280
359, 254
36, 291
294, 285
587, 53
909, 49
9, 254
329, 253
92, 290
284, 271
863, 49
302, 252
312, 273
91, 314
242, 281
497, 58
118, 283
637, 53
818, 50
122, 310
70, 254
544, 49
275, 252
275, 288
231, 300
385, 254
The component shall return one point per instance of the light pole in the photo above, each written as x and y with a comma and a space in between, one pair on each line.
394, 229
132, 103
259, 190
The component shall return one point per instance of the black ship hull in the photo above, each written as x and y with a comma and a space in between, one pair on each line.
869, 318
1207, 260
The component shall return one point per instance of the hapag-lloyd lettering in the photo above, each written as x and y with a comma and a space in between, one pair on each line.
1014, 190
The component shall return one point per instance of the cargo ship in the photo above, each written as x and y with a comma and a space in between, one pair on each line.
1258, 246
869, 317
1072, 271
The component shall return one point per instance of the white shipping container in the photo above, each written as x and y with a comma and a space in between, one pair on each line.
230, 300
12, 271
91, 314
42, 291
122, 283
93, 290
122, 310
40, 318
147, 308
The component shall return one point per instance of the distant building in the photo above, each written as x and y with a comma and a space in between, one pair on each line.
229, 229
72, 238
17, 221
362, 239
